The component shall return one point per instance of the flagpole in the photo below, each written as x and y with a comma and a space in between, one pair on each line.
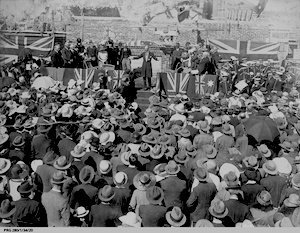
82, 23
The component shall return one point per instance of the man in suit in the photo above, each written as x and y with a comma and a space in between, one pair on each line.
153, 214
105, 214
57, 206
93, 157
29, 212
46, 171
125, 54
201, 196
40, 144
147, 66
56, 57
176, 56
66, 144
67, 55
174, 188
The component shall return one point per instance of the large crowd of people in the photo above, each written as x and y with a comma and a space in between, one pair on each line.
89, 157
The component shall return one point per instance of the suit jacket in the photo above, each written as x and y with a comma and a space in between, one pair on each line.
66, 55
105, 215
125, 135
147, 66
65, 146
40, 146
193, 131
274, 185
224, 142
200, 200
237, 211
286, 192
56, 59
152, 215
175, 191
18, 154
29, 213
93, 159
77, 195
46, 172
250, 192
130, 172
122, 198
57, 208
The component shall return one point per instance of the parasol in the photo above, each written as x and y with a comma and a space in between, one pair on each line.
43, 82
261, 128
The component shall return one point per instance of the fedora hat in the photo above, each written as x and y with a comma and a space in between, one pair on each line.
7, 209
283, 165
25, 187
181, 157
172, 168
97, 123
58, 177
155, 195
81, 212
120, 179
264, 198
107, 137
287, 146
130, 219
105, 167
285, 222
184, 133
251, 161
264, 150
29, 123
5, 164
191, 150
292, 200
217, 121
218, 209
160, 169
210, 151
203, 126
201, 174
140, 128
164, 139
144, 180
153, 123
78, 151
175, 217
157, 151
107, 193
296, 180
231, 179
295, 217
226, 168
270, 167
50, 157
144, 149
43, 125
125, 157
226, 129
19, 172
62, 163
18, 141
3, 138
86, 174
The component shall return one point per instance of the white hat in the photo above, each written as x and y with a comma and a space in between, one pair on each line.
246, 223
35, 164
228, 167
71, 83
283, 165
130, 219
105, 166
233, 58
81, 212
107, 137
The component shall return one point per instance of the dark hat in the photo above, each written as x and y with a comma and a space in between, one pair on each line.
58, 177
106, 194
155, 195
86, 174
25, 187
7, 209
17, 172
50, 157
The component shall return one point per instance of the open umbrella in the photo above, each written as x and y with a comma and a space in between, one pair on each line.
43, 82
261, 128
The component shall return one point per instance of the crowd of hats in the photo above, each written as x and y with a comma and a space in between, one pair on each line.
176, 133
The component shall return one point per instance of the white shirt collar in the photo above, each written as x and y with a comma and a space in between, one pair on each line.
55, 190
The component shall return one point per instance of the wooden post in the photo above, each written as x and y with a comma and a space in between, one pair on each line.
53, 22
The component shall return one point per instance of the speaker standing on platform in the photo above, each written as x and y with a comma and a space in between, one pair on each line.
147, 66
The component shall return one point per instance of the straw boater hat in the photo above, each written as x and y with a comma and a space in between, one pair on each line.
105, 166
106, 194
264, 198
107, 137
175, 217
218, 209
155, 195
81, 212
120, 179
144, 180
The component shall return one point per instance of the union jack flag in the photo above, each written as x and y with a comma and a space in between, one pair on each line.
205, 84
114, 78
86, 75
12, 45
174, 83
